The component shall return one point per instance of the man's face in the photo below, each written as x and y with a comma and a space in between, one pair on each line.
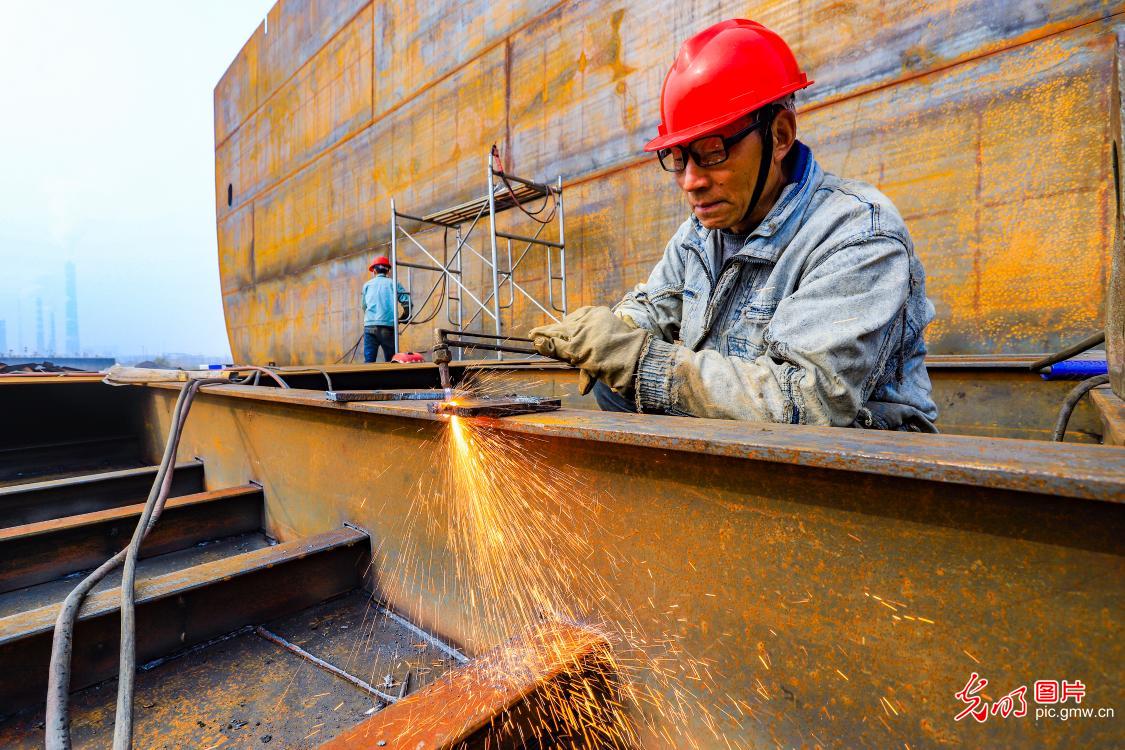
720, 195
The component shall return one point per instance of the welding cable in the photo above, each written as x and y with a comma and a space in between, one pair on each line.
57, 724
259, 369
533, 215
127, 663
350, 353
1072, 400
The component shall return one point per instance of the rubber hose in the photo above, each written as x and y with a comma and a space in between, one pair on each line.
127, 662
57, 720
1072, 400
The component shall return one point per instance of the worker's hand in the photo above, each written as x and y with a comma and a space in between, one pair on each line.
596, 341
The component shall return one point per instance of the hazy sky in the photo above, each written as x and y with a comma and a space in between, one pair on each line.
107, 158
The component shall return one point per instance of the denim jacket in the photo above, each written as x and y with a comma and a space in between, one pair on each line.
818, 319
379, 301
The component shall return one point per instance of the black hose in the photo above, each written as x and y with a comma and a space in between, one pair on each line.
350, 353
1072, 400
57, 725
1071, 351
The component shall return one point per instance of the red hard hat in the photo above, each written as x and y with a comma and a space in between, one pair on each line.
407, 357
382, 260
722, 73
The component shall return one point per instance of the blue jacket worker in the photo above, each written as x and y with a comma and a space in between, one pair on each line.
788, 295
379, 316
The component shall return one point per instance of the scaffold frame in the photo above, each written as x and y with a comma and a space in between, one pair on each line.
504, 191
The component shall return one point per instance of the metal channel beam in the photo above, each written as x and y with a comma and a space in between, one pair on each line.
504, 687
47, 550
778, 535
181, 609
58, 498
993, 396
24, 463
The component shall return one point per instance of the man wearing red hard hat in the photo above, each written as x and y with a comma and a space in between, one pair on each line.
379, 313
790, 295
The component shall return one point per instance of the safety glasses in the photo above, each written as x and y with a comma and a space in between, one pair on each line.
707, 151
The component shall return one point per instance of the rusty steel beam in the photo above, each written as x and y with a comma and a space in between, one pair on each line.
25, 463
495, 701
1090, 472
42, 551
181, 609
1111, 409
776, 537
1115, 293
89, 493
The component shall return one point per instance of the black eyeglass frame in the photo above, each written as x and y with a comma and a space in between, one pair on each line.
728, 142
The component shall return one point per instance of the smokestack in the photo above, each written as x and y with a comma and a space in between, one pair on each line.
72, 347
40, 345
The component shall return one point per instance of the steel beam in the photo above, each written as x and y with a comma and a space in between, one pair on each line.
181, 609
25, 463
88, 493
1111, 409
497, 701
47, 550
776, 538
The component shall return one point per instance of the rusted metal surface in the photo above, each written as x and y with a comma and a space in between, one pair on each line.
1115, 296
764, 537
1092, 472
494, 407
182, 608
1111, 410
383, 697
50, 593
497, 689
414, 394
240, 692
89, 493
910, 96
38, 552
44, 461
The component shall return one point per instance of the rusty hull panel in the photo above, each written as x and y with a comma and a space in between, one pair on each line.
942, 105
997, 556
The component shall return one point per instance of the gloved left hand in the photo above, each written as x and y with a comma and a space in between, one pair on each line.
593, 339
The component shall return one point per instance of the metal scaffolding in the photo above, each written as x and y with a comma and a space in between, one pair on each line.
464, 306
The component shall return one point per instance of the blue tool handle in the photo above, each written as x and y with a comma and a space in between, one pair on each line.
1075, 369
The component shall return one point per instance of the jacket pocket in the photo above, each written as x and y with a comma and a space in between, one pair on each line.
744, 348
760, 311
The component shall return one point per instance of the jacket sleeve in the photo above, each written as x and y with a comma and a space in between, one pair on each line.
657, 304
403, 295
826, 345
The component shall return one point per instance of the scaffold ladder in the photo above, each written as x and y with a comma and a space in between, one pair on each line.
505, 191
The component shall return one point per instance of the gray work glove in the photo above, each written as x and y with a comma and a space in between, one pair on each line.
602, 345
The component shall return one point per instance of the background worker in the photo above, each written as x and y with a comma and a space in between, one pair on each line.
379, 310
790, 295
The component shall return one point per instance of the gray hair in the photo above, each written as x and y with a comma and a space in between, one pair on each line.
789, 102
